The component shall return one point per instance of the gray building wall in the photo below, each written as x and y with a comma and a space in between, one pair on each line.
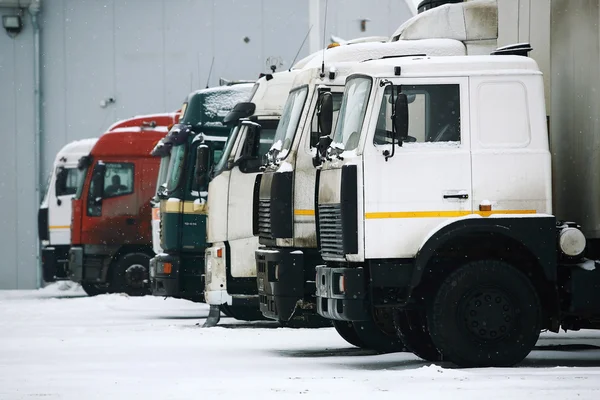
147, 55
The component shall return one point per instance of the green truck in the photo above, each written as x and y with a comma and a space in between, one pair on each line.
179, 206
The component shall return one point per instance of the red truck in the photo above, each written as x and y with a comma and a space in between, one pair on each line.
111, 243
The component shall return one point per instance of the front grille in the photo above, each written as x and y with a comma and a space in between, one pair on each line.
264, 219
330, 231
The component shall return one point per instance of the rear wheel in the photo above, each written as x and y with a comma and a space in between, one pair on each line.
485, 314
130, 274
346, 330
411, 327
379, 334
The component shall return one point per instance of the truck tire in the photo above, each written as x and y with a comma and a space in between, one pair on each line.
130, 274
411, 327
346, 330
485, 314
379, 334
94, 289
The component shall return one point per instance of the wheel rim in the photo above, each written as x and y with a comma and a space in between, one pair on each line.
136, 276
488, 314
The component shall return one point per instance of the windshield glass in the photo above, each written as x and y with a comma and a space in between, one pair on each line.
161, 182
352, 114
289, 122
81, 173
175, 167
227, 151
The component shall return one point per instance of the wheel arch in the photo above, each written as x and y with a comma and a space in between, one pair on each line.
526, 243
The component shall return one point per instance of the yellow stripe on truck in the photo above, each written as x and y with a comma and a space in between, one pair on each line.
185, 207
310, 213
60, 227
441, 214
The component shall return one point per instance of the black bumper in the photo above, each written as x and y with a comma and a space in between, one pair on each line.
347, 304
281, 281
185, 279
55, 263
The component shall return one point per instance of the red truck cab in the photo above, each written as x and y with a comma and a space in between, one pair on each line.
111, 242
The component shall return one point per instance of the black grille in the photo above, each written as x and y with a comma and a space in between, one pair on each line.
264, 219
330, 231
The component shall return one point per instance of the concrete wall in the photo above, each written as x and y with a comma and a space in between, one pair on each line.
147, 55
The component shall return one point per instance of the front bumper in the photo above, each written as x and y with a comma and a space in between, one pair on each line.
174, 276
342, 293
281, 283
55, 263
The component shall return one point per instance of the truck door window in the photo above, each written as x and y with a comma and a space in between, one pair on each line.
67, 179
118, 179
433, 110
337, 103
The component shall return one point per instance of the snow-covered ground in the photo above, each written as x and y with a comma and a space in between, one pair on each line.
60, 344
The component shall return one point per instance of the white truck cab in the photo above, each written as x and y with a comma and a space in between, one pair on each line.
285, 206
230, 273
435, 207
54, 216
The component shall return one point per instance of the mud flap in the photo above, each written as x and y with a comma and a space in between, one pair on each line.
214, 316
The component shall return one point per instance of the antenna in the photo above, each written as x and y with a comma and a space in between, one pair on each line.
198, 66
324, 27
210, 71
300, 49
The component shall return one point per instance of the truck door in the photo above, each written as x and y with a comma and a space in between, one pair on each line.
241, 188
428, 180
59, 204
112, 214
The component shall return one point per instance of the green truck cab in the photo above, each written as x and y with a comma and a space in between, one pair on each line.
179, 211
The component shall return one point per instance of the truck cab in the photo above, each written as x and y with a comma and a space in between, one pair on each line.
110, 226
54, 217
285, 206
179, 204
230, 266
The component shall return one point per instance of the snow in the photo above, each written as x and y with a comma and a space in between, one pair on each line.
59, 344
173, 200
588, 265
285, 166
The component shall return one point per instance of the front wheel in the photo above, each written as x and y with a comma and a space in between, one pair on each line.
130, 274
346, 330
485, 314
379, 334
411, 327
95, 289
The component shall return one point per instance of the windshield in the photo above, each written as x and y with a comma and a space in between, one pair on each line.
161, 182
289, 122
227, 151
175, 167
352, 114
81, 173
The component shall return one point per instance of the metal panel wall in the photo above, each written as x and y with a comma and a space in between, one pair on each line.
147, 55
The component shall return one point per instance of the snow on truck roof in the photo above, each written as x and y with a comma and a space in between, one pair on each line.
71, 152
210, 106
135, 136
449, 66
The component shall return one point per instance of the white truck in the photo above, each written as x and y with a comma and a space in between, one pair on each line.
54, 215
444, 202
230, 271
286, 205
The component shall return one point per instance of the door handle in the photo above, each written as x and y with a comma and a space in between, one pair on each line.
460, 196
130, 221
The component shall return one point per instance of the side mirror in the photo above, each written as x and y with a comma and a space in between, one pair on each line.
322, 146
60, 185
401, 116
325, 117
250, 148
240, 110
97, 189
201, 167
